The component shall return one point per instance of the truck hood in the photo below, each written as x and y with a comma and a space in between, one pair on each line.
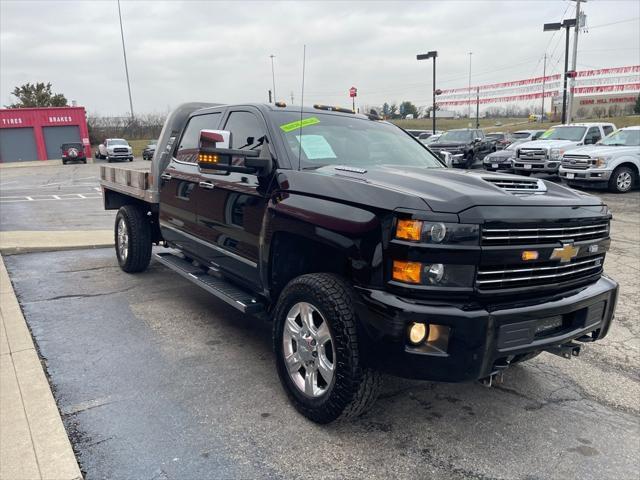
443, 190
603, 150
438, 145
547, 144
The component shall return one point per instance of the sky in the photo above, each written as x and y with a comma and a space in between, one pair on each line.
212, 51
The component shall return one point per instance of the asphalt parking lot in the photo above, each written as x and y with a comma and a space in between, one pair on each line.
156, 379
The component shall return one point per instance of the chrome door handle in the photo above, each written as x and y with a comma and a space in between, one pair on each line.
165, 176
207, 185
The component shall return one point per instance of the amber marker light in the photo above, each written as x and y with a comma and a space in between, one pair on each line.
409, 230
407, 272
529, 255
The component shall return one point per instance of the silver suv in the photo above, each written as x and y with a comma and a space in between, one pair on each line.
613, 162
543, 155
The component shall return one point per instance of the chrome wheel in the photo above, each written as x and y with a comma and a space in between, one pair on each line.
123, 239
308, 350
624, 181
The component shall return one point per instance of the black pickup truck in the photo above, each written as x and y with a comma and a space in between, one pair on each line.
366, 252
466, 146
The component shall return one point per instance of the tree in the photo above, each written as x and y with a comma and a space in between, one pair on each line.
393, 111
408, 108
37, 95
581, 112
386, 110
636, 108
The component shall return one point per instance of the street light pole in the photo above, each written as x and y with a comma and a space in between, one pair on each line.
126, 67
566, 24
574, 58
425, 56
273, 78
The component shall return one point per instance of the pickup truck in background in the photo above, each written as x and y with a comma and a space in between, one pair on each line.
613, 162
544, 155
466, 146
114, 149
365, 252
502, 160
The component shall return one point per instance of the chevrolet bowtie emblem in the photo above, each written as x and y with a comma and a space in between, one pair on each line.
566, 253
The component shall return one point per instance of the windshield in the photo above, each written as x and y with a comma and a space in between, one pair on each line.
117, 141
325, 139
627, 138
456, 136
496, 136
521, 135
573, 134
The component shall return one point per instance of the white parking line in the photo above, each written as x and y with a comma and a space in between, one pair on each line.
48, 198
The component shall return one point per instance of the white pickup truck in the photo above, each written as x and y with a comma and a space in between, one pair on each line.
613, 162
544, 155
113, 149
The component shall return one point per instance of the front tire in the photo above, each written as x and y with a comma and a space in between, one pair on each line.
318, 354
132, 239
622, 180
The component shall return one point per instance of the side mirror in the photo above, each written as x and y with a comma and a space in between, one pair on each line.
214, 154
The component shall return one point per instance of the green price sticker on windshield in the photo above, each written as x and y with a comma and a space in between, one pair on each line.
289, 127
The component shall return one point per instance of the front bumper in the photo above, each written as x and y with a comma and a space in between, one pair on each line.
544, 166
481, 336
590, 175
493, 166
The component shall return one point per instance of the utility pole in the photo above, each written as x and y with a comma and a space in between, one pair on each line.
270, 100
126, 67
566, 24
291, 97
478, 108
273, 78
425, 56
573, 61
544, 79
469, 112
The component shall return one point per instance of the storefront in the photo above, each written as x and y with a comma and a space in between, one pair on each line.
38, 133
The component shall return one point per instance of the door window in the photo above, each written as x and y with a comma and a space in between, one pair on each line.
246, 130
607, 129
188, 148
593, 135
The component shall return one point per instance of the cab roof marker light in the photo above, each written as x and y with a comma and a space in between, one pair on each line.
329, 108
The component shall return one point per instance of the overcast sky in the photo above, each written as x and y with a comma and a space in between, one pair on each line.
219, 51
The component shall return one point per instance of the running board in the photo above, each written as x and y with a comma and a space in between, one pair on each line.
218, 287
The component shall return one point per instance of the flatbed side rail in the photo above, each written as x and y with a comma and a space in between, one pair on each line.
128, 181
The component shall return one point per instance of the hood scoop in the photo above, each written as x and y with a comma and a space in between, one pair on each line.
518, 185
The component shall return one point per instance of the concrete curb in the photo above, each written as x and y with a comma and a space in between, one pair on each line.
17, 242
33, 438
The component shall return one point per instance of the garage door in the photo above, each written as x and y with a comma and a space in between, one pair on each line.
17, 145
54, 137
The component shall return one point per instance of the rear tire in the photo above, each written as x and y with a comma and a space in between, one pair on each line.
622, 180
132, 239
326, 302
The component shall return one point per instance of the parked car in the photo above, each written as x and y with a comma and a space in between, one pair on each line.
148, 151
527, 135
544, 155
417, 133
431, 139
113, 149
466, 146
363, 250
613, 162
500, 160
501, 140
73, 152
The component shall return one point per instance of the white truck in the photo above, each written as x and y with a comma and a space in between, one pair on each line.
544, 155
113, 149
613, 162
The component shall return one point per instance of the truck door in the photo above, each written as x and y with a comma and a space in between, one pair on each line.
230, 208
178, 184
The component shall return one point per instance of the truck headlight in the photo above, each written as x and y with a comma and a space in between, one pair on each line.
437, 232
556, 153
600, 161
433, 274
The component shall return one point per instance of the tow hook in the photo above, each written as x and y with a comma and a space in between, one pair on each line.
567, 350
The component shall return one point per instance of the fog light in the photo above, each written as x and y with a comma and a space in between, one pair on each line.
417, 333
434, 272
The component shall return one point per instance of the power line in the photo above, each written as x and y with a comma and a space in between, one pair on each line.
635, 19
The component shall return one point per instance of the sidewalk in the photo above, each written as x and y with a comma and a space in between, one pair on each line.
33, 441
51, 240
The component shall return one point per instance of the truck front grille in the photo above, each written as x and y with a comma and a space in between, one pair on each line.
120, 150
541, 273
578, 162
532, 154
543, 235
